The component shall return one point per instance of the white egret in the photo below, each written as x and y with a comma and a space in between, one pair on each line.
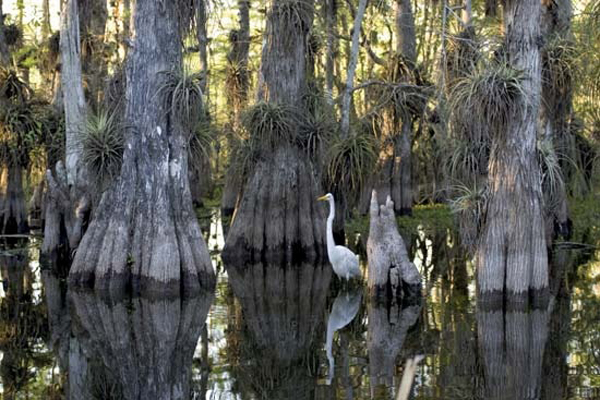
343, 261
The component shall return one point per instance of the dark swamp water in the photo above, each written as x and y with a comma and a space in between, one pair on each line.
269, 332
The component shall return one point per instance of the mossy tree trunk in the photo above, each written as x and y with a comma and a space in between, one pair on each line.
93, 16
556, 108
4, 54
278, 217
199, 173
395, 178
237, 97
512, 256
145, 232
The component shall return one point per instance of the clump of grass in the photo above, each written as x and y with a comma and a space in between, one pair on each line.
294, 13
462, 54
244, 155
201, 143
468, 159
12, 34
20, 131
318, 124
559, 62
12, 88
102, 144
551, 171
351, 160
182, 95
488, 95
270, 124
237, 82
469, 205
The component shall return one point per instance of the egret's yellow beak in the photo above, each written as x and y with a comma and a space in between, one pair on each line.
322, 198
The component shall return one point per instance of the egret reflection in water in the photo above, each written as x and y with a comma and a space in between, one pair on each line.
344, 309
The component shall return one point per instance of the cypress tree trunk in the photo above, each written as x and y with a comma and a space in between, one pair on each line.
396, 174
237, 97
512, 255
556, 107
144, 231
4, 54
491, 8
93, 16
278, 217
391, 273
13, 213
67, 204
331, 46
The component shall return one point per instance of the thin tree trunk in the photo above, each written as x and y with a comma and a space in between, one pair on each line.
467, 14
46, 27
347, 97
491, 8
237, 99
202, 43
331, 47
200, 175
145, 232
512, 255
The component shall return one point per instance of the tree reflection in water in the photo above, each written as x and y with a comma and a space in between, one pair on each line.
283, 310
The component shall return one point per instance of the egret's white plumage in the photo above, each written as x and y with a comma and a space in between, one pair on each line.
343, 261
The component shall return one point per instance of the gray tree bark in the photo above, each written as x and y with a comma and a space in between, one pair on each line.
331, 47
555, 110
512, 255
13, 213
278, 218
67, 203
390, 270
347, 96
145, 232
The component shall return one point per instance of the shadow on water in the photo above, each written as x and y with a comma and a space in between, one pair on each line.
295, 332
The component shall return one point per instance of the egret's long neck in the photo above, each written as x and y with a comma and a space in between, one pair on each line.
330, 242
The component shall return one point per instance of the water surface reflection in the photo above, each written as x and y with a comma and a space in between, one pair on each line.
293, 332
